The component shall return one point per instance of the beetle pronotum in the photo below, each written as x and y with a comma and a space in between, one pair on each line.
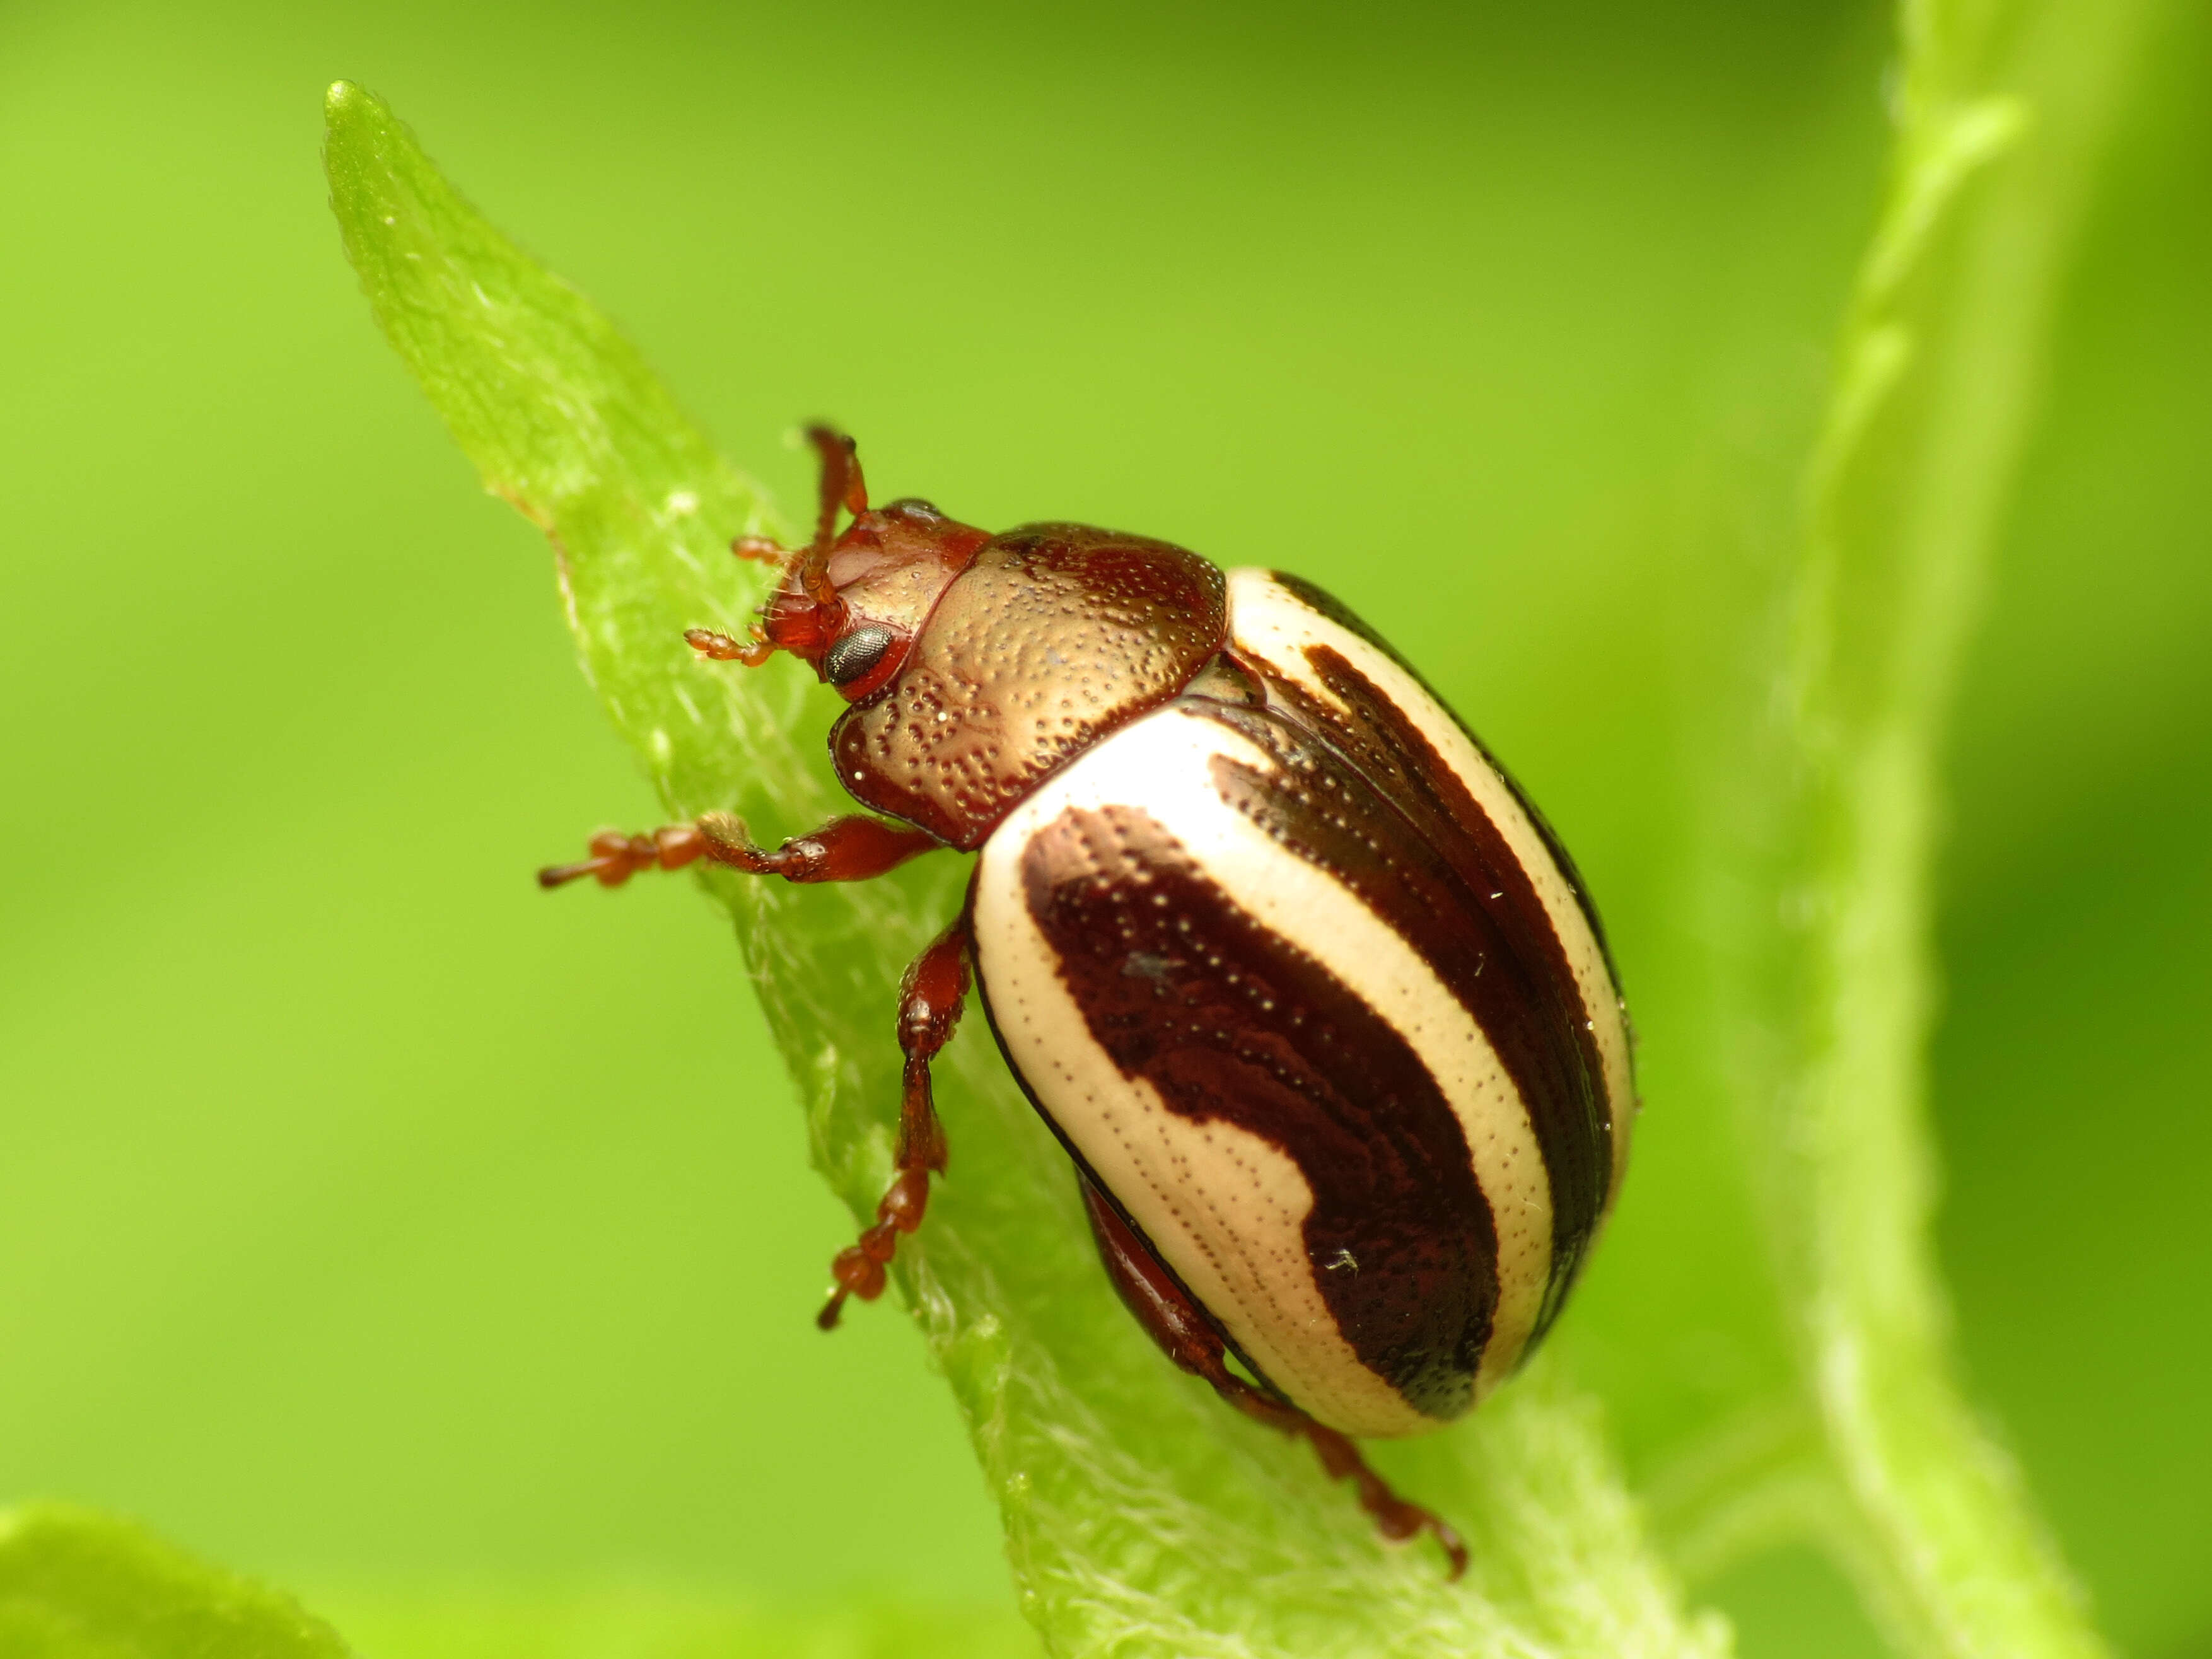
1309, 991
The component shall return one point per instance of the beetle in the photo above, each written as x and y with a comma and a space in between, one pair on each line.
1306, 987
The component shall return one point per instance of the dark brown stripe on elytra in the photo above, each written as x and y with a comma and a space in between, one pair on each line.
1315, 803
1229, 1022
1321, 600
1550, 1047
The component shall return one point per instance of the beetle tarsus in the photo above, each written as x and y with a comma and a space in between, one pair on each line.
1395, 1518
930, 999
616, 856
724, 647
760, 549
1172, 1320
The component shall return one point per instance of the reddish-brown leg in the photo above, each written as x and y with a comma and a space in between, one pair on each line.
760, 549
1168, 1314
855, 847
751, 651
935, 985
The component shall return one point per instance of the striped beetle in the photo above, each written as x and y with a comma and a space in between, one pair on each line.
1306, 987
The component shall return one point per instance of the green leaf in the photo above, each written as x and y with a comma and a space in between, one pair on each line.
75, 1585
1142, 1516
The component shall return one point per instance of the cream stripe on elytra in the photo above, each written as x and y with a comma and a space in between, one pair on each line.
1169, 1173
1272, 624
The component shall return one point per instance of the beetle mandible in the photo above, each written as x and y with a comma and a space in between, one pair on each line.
1306, 987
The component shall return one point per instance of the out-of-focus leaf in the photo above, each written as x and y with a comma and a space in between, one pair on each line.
1142, 1517
75, 1585
639, 1623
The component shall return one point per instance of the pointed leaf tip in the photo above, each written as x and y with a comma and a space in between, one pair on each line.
348, 103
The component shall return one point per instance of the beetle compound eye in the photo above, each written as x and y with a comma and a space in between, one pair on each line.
856, 653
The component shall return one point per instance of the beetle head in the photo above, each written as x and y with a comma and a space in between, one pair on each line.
850, 606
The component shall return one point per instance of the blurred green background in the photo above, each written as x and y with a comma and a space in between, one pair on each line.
374, 1222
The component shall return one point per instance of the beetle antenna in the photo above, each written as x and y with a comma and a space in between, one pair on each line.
842, 486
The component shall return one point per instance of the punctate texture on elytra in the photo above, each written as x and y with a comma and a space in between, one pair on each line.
1305, 986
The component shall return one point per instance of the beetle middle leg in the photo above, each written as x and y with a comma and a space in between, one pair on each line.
855, 847
1171, 1319
929, 998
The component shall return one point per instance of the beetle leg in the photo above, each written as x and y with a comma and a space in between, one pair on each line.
1171, 1318
615, 856
855, 847
935, 985
760, 549
752, 651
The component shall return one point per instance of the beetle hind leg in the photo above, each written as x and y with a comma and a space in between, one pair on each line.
1171, 1318
929, 1007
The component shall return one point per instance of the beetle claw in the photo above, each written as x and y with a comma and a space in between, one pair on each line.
615, 856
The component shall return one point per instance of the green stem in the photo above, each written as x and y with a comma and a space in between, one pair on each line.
1999, 116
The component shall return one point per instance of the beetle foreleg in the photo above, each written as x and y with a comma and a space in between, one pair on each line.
1168, 1316
616, 856
722, 648
930, 999
855, 847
